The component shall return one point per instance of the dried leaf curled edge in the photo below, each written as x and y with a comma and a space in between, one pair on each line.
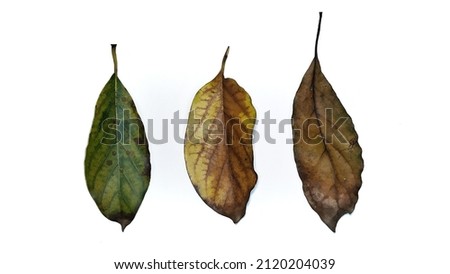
218, 145
117, 163
326, 148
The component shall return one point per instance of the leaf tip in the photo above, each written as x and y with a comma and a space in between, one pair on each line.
236, 216
236, 219
331, 222
332, 225
124, 223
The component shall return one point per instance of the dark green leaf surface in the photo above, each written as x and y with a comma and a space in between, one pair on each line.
117, 164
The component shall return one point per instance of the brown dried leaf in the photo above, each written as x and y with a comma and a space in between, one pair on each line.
218, 145
326, 147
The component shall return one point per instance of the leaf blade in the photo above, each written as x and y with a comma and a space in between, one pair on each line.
219, 158
326, 149
117, 163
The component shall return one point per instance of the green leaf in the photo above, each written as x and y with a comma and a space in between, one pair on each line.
117, 164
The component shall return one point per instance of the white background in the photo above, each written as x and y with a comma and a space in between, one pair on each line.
388, 62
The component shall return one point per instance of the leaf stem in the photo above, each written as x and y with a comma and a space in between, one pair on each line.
113, 50
318, 33
224, 60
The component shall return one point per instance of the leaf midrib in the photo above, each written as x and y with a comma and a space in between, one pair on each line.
121, 131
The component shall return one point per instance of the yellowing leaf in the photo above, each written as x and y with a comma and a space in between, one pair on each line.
326, 147
117, 164
218, 145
